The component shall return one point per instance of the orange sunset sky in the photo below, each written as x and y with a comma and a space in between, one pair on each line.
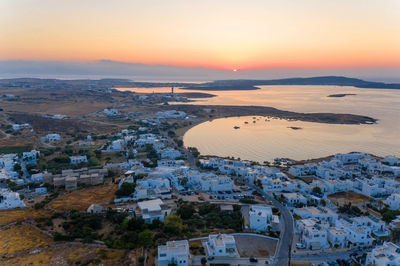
247, 34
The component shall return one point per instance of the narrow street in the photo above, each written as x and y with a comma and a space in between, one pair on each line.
282, 255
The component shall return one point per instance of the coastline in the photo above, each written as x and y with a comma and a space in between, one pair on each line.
239, 111
211, 112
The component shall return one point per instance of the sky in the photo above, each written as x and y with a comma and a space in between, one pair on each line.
218, 34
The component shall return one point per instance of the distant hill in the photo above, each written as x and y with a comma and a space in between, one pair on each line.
218, 85
244, 84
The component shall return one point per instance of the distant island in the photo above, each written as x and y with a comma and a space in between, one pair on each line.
244, 84
341, 95
295, 128
218, 85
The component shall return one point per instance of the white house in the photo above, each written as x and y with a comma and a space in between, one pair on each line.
337, 237
151, 187
170, 153
260, 217
386, 255
391, 160
17, 127
53, 137
41, 190
31, 156
319, 213
359, 236
117, 145
293, 199
350, 157
214, 183
174, 252
151, 210
9, 199
314, 237
171, 114
221, 245
110, 111
393, 201
37, 178
78, 159
95, 208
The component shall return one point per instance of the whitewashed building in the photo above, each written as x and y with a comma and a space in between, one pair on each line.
393, 201
9, 200
78, 159
386, 255
151, 210
53, 137
174, 252
314, 237
221, 245
260, 217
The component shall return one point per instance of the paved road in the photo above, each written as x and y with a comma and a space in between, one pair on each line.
283, 251
230, 261
322, 256
189, 155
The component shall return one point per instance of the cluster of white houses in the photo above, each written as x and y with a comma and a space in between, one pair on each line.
320, 228
220, 245
318, 225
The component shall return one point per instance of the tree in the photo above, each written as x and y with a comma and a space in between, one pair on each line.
323, 202
173, 224
126, 189
17, 167
203, 261
184, 181
146, 238
185, 211
317, 190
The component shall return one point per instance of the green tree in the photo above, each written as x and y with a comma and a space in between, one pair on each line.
203, 261
146, 238
173, 225
126, 190
317, 190
185, 211
323, 202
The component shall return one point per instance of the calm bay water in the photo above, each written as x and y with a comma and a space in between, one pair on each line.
264, 141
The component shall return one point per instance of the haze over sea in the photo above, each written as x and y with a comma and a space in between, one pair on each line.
264, 141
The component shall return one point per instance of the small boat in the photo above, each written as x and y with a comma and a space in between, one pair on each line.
236, 127
246, 122
254, 121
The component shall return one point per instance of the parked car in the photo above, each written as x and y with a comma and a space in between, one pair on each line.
300, 246
253, 259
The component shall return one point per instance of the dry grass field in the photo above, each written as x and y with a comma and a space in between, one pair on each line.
19, 215
48, 101
69, 254
21, 237
352, 197
81, 199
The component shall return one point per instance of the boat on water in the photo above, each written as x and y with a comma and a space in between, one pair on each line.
236, 127
246, 122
